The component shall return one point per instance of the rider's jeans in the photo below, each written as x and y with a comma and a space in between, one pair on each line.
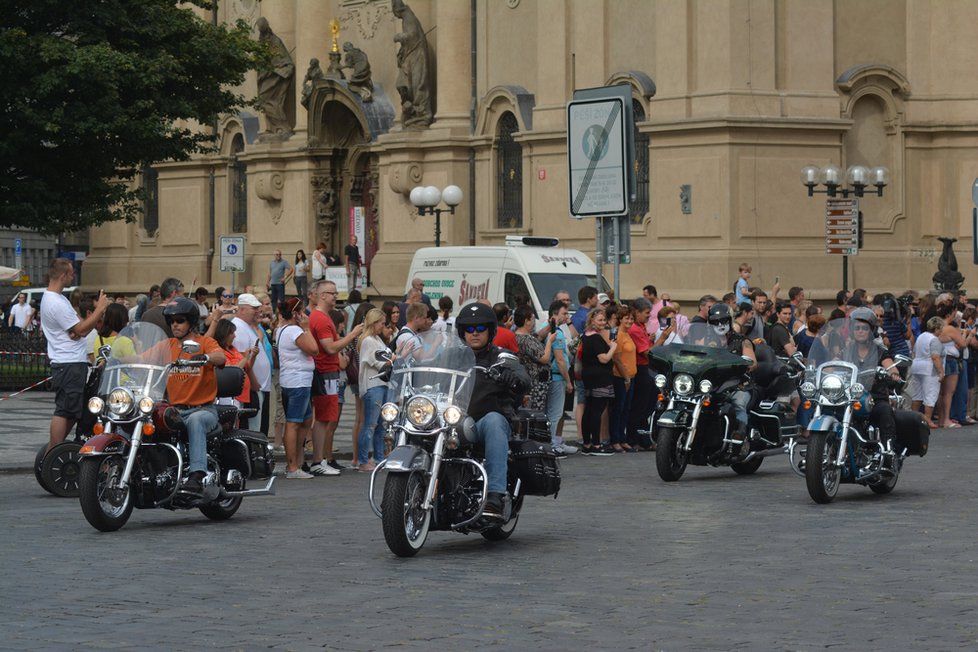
199, 421
740, 400
493, 431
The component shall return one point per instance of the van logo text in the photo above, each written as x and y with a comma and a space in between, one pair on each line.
436, 263
560, 259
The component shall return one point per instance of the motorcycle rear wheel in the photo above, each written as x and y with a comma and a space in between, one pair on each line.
38, 465
221, 510
670, 461
747, 468
886, 486
405, 523
504, 531
821, 476
60, 469
102, 510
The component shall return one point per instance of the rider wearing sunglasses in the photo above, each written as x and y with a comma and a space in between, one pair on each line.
494, 400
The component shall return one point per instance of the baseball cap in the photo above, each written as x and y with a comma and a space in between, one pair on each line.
603, 298
249, 300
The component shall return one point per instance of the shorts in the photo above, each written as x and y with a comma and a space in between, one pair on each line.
951, 366
296, 403
327, 408
68, 380
925, 389
579, 392
341, 395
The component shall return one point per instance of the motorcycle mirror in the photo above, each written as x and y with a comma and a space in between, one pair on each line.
190, 347
901, 360
797, 355
505, 355
104, 351
746, 359
383, 356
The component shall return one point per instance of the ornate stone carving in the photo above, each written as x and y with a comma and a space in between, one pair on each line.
275, 82
326, 199
404, 176
366, 18
360, 80
413, 81
246, 10
313, 75
269, 186
948, 278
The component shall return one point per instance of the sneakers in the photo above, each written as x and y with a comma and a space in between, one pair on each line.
567, 448
602, 451
323, 468
334, 464
298, 474
559, 452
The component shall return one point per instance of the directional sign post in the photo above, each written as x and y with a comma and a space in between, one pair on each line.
232, 256
842, 231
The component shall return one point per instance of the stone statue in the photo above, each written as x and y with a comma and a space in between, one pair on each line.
313, 74
274, 83
948, 278
326, 212
360, 81
413, 81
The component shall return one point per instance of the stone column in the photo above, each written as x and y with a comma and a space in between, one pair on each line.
452, 60
312, 39
553, 56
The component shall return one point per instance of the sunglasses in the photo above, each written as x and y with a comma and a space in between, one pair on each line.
478, 328
227, 296
859, 328
178, 320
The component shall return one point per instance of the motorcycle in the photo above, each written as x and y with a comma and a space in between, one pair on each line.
57, 471
842, 446
696, 382
138, 456
436, 479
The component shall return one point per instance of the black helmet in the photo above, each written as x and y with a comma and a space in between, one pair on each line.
473, 315
184, 307
719, 318
865, 315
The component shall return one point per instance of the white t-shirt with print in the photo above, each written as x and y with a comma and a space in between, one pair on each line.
295, 366
244, 339
57, 316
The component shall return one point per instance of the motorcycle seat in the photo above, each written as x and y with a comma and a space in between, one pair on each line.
226, 414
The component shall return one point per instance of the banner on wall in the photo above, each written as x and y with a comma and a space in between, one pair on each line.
358, 227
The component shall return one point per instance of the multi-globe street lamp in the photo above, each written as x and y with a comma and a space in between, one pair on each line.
858, 178
427, 198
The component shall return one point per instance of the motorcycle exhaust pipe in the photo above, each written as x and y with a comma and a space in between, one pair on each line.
764, 453
267, 490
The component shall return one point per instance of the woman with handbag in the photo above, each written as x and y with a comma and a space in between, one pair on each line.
373, 391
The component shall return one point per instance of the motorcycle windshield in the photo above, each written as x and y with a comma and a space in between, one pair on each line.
138, 362
847, 340
703, 349
436, 364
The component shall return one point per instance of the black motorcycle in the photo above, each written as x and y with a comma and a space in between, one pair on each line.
436, 479
139, 454
696, 383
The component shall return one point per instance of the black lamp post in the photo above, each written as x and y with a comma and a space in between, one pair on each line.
426, 200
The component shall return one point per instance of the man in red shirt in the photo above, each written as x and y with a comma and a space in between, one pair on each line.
325, 381
505, 337
641, 405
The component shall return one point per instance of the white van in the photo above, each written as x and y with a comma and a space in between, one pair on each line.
533, 267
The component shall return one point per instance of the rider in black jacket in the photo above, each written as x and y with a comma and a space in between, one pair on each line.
495, 397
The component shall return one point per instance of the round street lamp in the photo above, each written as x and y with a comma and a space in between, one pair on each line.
857, 179
427, 198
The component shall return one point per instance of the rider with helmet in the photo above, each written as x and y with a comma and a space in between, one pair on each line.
494, 398
722, 335
192, 390
864, 352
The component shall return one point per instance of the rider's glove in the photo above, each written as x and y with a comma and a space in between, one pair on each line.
508, 377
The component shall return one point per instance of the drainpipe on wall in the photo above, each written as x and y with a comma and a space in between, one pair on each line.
472, 117
211, 194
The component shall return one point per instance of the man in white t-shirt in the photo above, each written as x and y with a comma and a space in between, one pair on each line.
20, 315
246, 336
67, 348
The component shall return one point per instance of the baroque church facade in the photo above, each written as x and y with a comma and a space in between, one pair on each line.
731, 99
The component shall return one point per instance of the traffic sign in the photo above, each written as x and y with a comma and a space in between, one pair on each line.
18, 253
842, 226
598, 152
232, 254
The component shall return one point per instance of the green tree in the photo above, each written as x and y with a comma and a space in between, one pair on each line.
92, 91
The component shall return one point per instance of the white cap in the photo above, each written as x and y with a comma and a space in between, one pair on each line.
249, 300
603, 298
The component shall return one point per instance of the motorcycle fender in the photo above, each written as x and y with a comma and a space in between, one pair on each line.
670, 418
824, 423
407, 458
105, 444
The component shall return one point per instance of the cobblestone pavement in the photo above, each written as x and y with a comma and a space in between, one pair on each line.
620, 561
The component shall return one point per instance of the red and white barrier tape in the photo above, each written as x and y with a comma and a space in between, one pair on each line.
40, 382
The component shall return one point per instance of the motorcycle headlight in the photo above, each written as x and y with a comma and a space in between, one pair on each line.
388, 412
857, 390
146, 405
452, 415
420, 411
705, 387
121, 401
832, 387
807, 389
683, 384
95, 405
660, 381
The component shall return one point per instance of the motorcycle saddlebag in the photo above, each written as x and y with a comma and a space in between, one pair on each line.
912, 432
261, 458
536, 466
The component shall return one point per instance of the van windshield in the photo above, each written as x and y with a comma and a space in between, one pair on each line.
546, 285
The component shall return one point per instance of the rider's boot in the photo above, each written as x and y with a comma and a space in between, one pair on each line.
494, 505
195, 483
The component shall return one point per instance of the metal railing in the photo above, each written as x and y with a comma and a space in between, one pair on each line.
23, 359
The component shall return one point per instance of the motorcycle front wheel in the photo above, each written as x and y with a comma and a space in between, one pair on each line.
670, 460
405, 522
60, 469
821, 475
105, 506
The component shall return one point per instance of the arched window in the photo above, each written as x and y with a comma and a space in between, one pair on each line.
509, 175
239, 187
151, 201
640, 206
